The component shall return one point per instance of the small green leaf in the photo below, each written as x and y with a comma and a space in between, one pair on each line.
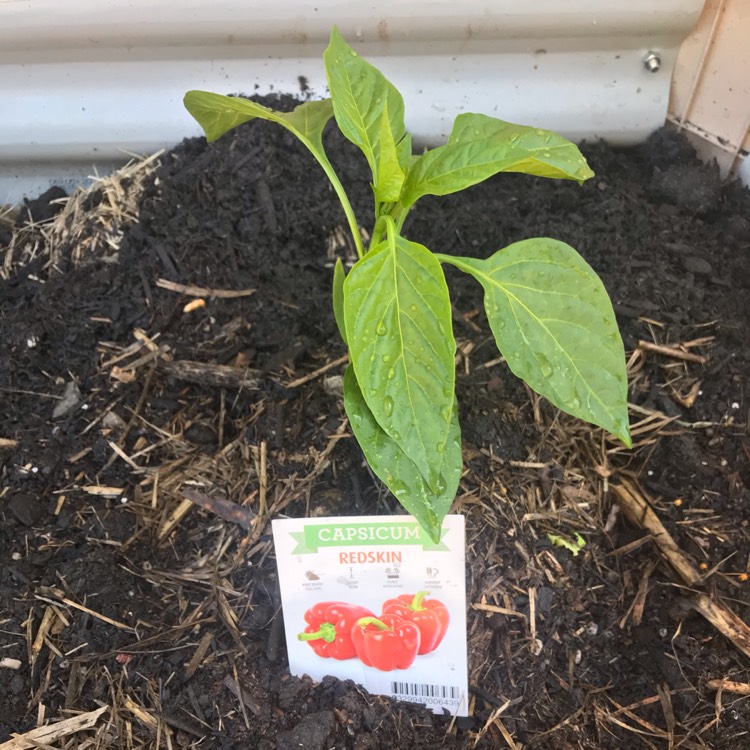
217, 114
394, 467
369, 111
338, 296
398, 324
574, 547
390, 176
554, 324
480, 146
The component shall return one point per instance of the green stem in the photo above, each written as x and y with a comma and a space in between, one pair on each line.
363, 622
344, 200
327, 633
416, 602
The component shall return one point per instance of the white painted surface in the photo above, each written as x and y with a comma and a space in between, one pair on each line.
82, 82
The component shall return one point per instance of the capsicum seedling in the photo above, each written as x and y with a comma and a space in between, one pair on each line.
549, 312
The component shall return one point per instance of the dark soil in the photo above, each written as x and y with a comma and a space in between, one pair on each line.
672, 244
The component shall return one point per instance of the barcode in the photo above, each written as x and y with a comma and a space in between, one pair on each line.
418, 690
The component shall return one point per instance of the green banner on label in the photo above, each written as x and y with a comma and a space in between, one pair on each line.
315, 536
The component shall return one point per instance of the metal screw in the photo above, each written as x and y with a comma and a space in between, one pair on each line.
652, 61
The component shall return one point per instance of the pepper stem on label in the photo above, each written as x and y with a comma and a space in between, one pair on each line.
326, 632
379, 624
416, 602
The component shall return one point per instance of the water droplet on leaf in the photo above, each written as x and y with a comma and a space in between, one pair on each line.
382, 329
388, 406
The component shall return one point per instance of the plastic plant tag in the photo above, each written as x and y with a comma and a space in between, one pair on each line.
373, 599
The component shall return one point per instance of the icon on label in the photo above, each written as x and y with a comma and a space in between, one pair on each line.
432, 572
393, 573
312, 576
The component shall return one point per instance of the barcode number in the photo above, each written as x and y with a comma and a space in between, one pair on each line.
417, 690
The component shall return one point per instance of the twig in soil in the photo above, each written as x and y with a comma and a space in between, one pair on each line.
48, 593
8, 443
639, 602
492, 719
741, 688
43, 736
262, 480
199, 654
241, 694
320, 371
660, 415
218, 376
671, 351
640, 512
198, 291
133, 418
498, 610
222, 507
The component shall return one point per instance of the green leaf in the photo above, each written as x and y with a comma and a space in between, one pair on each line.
395, 468
554, 324
390, 176
398, 323
217, 114
480, 146
338, 296
369, 111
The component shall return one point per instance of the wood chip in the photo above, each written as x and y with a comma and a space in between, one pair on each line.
218, 376
199, 291
222, 507
103, 490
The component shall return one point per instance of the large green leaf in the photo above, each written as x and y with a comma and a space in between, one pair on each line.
554, 324
370, 113
480, 146
398, 324
217, 114
395, 468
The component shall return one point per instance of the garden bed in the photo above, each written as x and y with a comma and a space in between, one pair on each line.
118, 591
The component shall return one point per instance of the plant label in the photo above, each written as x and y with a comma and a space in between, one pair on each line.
375, 600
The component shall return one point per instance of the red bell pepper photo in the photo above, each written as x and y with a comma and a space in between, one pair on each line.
329, 628
429, 615
387, 643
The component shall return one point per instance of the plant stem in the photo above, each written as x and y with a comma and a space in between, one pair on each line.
344, 200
